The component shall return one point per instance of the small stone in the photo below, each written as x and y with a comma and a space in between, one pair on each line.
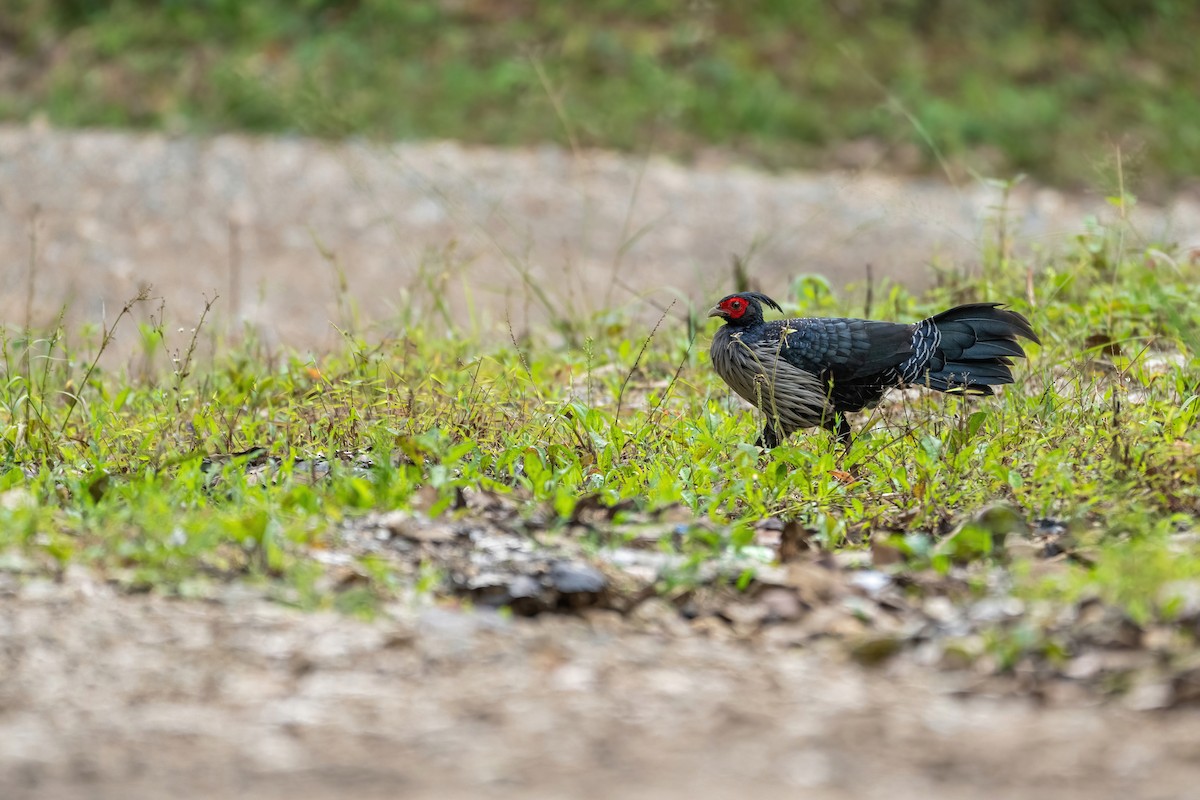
1021, 549
1149, 696
831, 621
746, 617
781, 604
573, 678
657, 614
961, 653
872, 651
574, 578
523, 586
884, 553
941, 610
996, 609
1180, 600
17, 498
814, 584
870, 581
1083, 667
16, 562
417, 527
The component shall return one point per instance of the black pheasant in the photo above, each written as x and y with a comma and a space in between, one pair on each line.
806, 372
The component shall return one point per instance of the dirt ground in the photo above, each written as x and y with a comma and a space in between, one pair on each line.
276, 226
110, 695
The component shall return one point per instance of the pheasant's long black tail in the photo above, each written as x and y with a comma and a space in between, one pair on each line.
968, 348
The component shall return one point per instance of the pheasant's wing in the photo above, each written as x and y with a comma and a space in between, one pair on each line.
845, 350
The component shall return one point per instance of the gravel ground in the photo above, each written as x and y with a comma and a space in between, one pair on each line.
268, 223
107, 695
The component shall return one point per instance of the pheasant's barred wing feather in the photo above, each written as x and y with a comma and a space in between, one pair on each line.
977, 343
846, 349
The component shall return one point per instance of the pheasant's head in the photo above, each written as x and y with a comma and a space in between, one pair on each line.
743, 309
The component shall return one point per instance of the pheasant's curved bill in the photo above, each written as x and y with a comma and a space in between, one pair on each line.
716, 311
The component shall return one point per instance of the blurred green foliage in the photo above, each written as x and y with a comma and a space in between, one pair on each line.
1051, 88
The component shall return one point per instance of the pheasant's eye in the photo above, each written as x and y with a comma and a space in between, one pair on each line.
735, 307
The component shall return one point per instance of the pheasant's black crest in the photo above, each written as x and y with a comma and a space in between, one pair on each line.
743, 308
813, 371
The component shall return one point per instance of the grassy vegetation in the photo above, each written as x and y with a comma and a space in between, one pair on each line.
131, 473
1041, 87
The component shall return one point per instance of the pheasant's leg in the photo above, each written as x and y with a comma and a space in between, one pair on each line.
839, 426
843, 431
769, 439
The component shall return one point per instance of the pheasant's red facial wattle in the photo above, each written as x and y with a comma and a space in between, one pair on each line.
735, 307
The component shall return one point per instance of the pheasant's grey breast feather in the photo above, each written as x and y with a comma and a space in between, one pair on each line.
754, 368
